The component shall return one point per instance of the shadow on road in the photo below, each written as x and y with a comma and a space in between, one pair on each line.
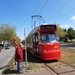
2, 67
9, 70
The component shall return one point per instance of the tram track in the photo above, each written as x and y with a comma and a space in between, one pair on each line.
49, 67
66, 63
63, 72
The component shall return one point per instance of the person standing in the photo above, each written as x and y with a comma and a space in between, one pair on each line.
18, 56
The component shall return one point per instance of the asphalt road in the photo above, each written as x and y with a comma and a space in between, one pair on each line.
72, 46
5, 57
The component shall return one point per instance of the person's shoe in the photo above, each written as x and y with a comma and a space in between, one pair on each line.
20, 72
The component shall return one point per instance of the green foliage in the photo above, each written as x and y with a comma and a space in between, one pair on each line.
7, 32
71, 33
60, 32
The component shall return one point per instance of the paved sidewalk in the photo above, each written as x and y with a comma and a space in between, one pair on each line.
2, 50
42, 71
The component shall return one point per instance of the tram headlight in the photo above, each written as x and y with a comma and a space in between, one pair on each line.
56, 47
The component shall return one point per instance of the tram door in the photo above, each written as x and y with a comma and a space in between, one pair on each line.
35, 44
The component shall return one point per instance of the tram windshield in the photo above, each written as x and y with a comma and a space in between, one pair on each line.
48, 37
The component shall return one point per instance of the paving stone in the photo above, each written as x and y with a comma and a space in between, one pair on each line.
64, 69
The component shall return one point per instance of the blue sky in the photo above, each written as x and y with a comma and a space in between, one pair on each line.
19, 12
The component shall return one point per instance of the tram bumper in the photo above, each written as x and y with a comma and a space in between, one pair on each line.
51, 55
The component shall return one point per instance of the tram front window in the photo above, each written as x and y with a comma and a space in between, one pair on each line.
50, 37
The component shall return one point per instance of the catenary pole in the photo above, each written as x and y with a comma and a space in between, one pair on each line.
26, 48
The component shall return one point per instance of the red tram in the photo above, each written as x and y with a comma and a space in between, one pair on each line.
42, 42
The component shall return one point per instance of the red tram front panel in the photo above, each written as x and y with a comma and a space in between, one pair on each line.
49, 51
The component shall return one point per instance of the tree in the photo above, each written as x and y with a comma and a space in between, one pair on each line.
60, 32
7, 32
71, 33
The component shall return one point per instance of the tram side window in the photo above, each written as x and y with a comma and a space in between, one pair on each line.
36, 37
33, 37
44, 38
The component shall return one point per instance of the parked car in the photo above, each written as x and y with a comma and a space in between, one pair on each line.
7, 46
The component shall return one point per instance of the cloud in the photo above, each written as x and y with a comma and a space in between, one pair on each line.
61, 26
64, 26
73, 18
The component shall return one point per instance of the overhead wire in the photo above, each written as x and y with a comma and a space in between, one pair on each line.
58, 10
65, 14
36, 6
40, 10
43, 6
35, 12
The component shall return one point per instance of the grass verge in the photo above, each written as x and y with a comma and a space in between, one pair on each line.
68, 55
68, 50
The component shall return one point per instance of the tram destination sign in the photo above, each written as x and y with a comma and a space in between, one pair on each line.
48, 27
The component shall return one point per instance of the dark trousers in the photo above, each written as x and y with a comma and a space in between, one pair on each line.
19, 67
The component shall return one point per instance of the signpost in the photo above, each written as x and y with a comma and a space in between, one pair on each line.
26, 48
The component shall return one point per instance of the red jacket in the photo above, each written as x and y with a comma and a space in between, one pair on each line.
18, 51
18, 54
